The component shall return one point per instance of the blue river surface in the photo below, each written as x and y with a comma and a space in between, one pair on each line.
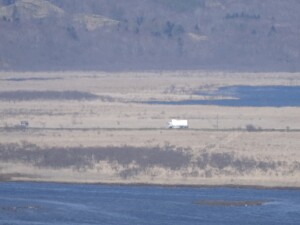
51, 203
246, 96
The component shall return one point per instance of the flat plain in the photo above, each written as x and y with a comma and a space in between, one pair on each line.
106, 127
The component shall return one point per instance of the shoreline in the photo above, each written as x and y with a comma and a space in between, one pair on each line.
231, 186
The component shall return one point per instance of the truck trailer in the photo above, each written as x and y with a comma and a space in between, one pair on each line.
178, 124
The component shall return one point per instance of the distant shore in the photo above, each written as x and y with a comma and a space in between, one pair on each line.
3, 179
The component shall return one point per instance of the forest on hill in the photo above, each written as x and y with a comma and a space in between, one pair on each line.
229, 35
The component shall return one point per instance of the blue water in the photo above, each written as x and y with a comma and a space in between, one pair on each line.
248, 96
46, 203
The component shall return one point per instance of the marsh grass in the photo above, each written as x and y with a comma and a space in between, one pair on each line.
46, 95
143, 158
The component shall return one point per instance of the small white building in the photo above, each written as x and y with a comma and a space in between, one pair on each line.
178, 124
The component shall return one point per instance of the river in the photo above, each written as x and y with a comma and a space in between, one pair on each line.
69, 204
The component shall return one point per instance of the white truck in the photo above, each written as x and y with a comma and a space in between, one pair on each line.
177, 124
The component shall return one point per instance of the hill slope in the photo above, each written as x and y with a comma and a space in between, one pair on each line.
150, 34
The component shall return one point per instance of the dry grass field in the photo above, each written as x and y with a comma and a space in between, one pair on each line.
98, 127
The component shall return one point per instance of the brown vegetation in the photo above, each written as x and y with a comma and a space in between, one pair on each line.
143, 158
